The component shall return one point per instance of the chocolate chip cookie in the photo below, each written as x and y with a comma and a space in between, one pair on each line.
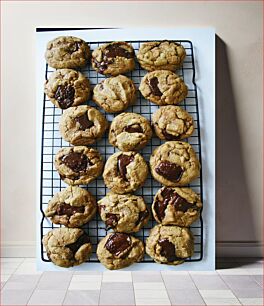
172, 123
67, 52
125, 172
163, 87
129, 132
67, 247
123, 213
161, 55
170, 244
119, 250
115, 94
174, 163
78, 165
82, 125
176, 206
71, 207
114, 58
67, 87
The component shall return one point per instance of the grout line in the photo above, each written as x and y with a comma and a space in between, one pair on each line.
197, 288
67, 289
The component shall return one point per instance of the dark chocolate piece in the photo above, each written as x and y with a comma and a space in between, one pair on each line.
169, 136
117, 243
78, 243
67, 209
168, 250
84, 122
170, 171
114, 50
111, 219
75, 161
135, 128
153, 84
123, 162
65, 95
141, 216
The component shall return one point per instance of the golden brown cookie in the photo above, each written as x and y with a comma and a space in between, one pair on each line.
115, 94
170, 244
129, 132
176, 206
125, 172
163, 87
67, 247
71, 207
67, 52
119, 250
161, 55
67, 87
78, 165
114, 58
123, 213
174, 163
82, 125
172, 123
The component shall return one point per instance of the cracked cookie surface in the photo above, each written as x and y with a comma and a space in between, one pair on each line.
161, 55
67, 247
78, 165
174, 163
71, 207
67, 52
171, 122
125, 172
67, 87
114, 58
129, 132
82, 125
123, 213
176, 206
119, 250
115, 94
163, 87
170, 244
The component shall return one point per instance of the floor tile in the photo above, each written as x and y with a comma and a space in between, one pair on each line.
30, 260
79, 285
209, 282
255, 271
47, 297
222, 294
178, 282
88, 273
248, 293
174, 273
11, 259
117, 286
149, 286
86, 278
258, 279
15, 297
22, 282
54, 281
5, 277
2, 284
203, 273
117, 277
221, 301
117, 297
240, 282
27, 268
82, 297
251, 301
140, 276
150, 302
185, 297
234, 271
151, 294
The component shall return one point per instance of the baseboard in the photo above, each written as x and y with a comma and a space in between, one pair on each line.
223, 249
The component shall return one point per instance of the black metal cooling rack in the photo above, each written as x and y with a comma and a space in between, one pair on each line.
51, 183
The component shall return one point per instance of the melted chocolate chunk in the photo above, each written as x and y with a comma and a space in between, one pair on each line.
169, 136
153, 84
135, 128
65, 95
75, 161
66, 209
118, 243
78, 243
111, 220
75, 47
84, 122
170, 171
123, 162
168, 250
116, 50
102, 66
171, 197
141, 216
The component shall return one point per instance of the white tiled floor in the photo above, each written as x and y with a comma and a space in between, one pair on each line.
236, 282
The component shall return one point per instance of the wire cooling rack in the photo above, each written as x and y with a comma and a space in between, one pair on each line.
52, 142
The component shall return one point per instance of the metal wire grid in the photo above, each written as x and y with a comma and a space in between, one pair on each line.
52, 142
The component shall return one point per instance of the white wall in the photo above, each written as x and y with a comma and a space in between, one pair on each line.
239, 107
